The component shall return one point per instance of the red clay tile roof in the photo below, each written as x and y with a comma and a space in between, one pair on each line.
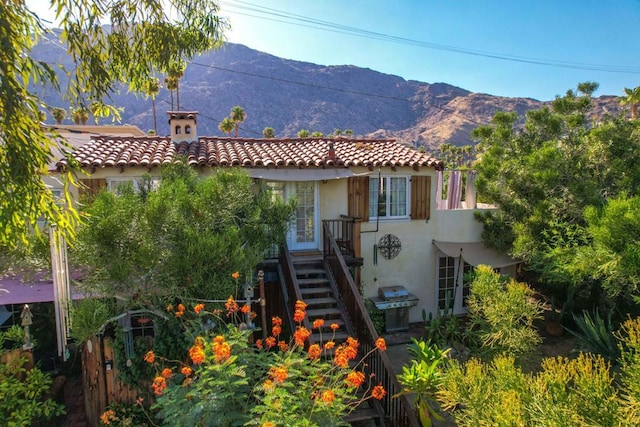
251, 153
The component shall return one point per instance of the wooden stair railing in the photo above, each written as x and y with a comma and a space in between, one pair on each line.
399, 411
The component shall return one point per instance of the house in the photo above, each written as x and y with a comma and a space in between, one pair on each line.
370, 225
399, 232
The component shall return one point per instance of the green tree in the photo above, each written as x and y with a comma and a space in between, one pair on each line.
175, 73
183, 239
544, 174
238, 115
632, 98
151, 90
59, 114
226, 126
141, 40
80, 115
303, 133
315, 134
268, 133
171, 83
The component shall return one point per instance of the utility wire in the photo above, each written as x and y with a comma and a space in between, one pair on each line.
276, 15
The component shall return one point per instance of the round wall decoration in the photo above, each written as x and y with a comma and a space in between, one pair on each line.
389, 246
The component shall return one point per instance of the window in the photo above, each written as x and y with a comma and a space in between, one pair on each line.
116, 185
178, 130
389, 197
449, 278
187, 130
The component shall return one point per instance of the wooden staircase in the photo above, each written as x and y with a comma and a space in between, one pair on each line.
318, 290
319, 293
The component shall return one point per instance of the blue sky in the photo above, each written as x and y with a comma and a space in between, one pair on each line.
425, 40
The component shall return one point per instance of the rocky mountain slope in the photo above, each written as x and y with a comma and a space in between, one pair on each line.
290, 95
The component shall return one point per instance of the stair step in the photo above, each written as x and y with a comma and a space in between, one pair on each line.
309, 271
314, 281
320, 301
317, 313
329, 335
311, 291
362, 414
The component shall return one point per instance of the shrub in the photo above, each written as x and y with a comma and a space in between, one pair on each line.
501, 315
595, 334
230, 381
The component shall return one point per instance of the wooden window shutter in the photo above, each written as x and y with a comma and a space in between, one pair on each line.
88, 188
420, 197
358, 188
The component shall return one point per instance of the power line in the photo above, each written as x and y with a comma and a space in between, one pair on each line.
275, 15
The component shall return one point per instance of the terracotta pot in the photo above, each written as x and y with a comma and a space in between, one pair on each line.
554, 329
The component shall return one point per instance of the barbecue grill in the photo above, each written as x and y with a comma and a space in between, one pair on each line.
395, 301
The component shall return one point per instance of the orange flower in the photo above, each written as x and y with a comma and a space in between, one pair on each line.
276, 330
335, 326
328, 396
278, 374
300, 305
270, 341
108, 416
246, 308
352, 342
181, 308
231, 305
299, 315
235, 275
314, 351
198, 308
259, 344
301, 335
340, 357
170, 307
150, 357
159, 384
268, 424
186, 371
283, 346
276, 321
268, 386
355, 378
253, 315
381, 344
196, 353
329, 345
167, 373
221, 348
318, 323
378, 392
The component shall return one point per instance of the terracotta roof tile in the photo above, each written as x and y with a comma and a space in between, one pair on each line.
215, 151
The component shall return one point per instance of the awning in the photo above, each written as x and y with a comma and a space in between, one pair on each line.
307, 174
14, 291
475, 253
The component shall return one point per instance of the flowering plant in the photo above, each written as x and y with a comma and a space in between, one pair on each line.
228, 380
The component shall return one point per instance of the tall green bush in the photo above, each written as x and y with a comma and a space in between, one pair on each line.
501, 316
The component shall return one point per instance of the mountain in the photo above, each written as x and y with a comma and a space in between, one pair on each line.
291, 95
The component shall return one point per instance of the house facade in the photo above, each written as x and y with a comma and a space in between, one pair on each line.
404, 234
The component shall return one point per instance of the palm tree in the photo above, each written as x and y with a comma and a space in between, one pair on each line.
151, 90
337, 132
226, 126
268, 133
59, 114
238, 116
632, 98
303, 133
176, 72
80, 115
348, 132
171, 83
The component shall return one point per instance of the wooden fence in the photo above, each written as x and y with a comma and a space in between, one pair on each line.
101, 386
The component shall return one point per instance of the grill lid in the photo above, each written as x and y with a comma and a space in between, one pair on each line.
393, 293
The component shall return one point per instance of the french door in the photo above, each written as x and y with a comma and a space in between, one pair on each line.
303, 230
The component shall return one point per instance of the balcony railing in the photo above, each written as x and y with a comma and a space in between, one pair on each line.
398, 410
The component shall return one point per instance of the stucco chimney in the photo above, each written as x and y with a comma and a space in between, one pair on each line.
183, 125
